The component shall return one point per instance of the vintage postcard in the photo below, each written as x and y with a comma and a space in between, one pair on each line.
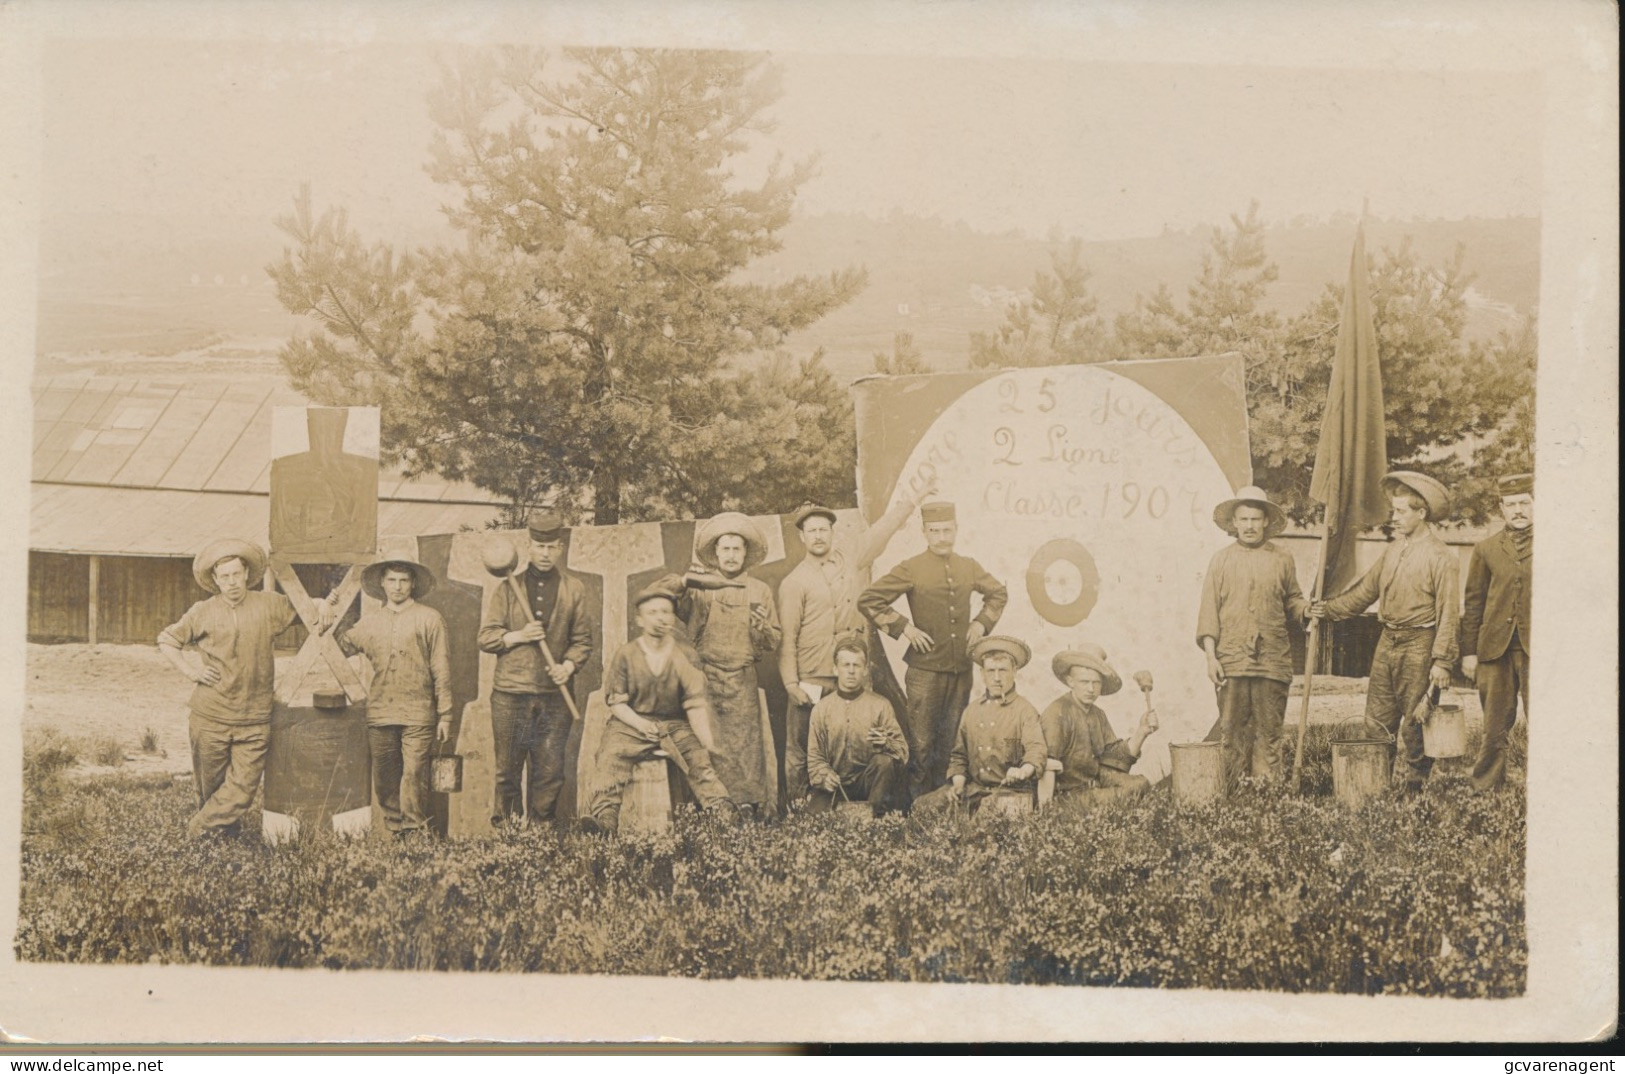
876, 521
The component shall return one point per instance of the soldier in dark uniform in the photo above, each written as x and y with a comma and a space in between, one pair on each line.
1495, 624
939, 584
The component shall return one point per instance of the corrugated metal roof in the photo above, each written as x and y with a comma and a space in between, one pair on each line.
104, 520
178, 435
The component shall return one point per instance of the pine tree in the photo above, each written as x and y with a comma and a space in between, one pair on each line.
591, 330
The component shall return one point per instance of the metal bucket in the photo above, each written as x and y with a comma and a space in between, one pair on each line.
1445, 732
1198, 771
446, 774
1360, 765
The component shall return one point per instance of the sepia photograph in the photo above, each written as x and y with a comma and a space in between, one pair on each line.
725, 522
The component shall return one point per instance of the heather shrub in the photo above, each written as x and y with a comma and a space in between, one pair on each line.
1263, 891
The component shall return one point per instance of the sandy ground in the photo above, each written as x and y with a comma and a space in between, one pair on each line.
118, 691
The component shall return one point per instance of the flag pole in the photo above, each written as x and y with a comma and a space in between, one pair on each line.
1311, 651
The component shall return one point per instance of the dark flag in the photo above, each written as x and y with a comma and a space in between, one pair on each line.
1352, 455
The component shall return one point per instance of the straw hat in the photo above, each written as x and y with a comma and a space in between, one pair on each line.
372, 579
1435, 495
1015, 648
252, 555
1250, 496
705, 539
1088, 656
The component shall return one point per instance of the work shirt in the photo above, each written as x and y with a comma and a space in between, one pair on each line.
569, 625
236, 642
1416, 585
939, 590
542, 590
668, 695
818, 602
1499, 591
411, 664
838, 736
996, 736
1081, 738
1247, 597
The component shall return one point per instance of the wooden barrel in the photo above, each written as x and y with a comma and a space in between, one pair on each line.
646, 803
1445, 732
1198, 771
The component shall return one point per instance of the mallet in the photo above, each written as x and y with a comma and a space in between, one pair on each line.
1143, 678
500, 558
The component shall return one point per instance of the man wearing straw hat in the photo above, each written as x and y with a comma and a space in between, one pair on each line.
1415, 585
656, 698
409, 701
939, 583
1495, 624
855, 748
1095, 763
818, 603
999, 749
1249, 594
732, 627
530, 720
231, 633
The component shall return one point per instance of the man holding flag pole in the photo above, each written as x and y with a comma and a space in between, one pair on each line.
1350, 460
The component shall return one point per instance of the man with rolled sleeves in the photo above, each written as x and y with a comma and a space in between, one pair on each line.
530, 721
999, 747
232, 633
1415, 585
818, 603
1495, 624
855, 747
1095, 763
938, 583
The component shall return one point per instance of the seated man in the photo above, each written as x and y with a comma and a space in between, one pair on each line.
656, 698
999, 749
855, 747
1095, 763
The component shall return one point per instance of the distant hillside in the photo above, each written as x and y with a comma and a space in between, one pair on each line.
942, 282
153, 286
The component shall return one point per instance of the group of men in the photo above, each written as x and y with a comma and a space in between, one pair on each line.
1250, 593
687, 684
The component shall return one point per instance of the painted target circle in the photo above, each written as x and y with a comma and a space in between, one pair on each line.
1063, 582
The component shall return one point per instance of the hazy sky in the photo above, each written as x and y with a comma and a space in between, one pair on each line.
1100, 150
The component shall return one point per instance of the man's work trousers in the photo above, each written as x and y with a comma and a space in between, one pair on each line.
1251, 712
621, 748
528, 730
400, 774
936, 701
1110, 786
1399, 678
878, 784
797, 719
227, 763
1500, 684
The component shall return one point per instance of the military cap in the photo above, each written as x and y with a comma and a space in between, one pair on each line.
1516, 485
936, 511
545, 524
